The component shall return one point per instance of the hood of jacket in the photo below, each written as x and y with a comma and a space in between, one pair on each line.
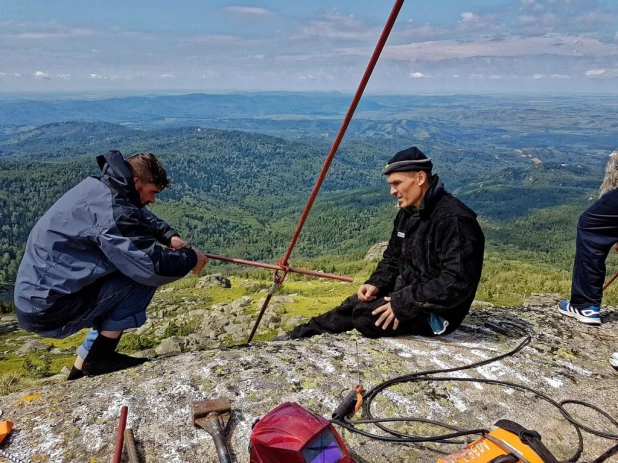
116, 174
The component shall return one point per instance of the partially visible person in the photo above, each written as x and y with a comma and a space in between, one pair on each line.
95, 259
597, 233
429, 273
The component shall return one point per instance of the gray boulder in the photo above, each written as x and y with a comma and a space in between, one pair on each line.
215, 279
33, 346
171, 345
375, 252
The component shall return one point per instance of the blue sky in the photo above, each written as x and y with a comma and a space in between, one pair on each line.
440, 46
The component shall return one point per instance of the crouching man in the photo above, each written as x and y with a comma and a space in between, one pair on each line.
94, 261
427, 278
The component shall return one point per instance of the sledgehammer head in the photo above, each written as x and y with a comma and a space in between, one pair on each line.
212, 416
204, 408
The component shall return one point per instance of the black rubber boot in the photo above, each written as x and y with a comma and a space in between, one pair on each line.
75, 373
103, 359
114, 361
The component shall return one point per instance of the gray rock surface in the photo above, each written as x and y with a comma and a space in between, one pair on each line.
33, 346
77, 421
375, 252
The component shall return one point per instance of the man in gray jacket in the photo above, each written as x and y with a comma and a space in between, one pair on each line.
95, 259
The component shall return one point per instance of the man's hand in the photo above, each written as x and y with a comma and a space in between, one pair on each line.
366, 293
177, 243
202, 260
616, 248
387, 316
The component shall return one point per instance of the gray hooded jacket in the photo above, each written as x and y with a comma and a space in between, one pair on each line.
97, 228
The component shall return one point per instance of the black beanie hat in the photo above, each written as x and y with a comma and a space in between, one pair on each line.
409, 160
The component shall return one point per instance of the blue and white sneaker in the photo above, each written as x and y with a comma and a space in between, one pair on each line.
589, 316
613, 360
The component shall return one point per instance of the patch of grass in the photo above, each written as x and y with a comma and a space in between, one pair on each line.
14, 382
130, 343
38, 367
182, 328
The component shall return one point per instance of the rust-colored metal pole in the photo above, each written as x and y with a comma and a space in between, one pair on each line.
120, 439
283, 262
610, 281
272, 290
344, 126
300, 271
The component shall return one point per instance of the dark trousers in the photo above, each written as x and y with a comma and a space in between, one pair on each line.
353, 313
597, 232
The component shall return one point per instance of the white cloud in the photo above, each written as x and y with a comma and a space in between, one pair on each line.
95, 76
417, 75
551, 76
307, 77
42, 31
471, 22
527, 19
248, 11
528, 2
551, 44
17, 74
41, 75
495, 77
167, 76
212, 38
477, 76
611, 73
594, 18
64, 76
337, 26
595, 72
468, 17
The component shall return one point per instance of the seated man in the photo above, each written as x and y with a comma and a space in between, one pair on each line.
427, 278
93, 261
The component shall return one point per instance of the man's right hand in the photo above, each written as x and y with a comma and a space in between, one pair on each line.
367, 293
202, 260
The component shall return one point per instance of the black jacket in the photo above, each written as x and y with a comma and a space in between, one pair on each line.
434, 259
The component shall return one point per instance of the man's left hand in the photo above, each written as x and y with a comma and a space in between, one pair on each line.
177, 243
387, 316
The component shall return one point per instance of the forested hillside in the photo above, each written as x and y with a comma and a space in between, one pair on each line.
240, 194
528, 166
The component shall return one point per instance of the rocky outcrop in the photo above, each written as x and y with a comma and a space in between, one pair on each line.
216, 279
61, 421
375, 252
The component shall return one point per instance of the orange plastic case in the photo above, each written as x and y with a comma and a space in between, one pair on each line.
5, 429
497, 443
